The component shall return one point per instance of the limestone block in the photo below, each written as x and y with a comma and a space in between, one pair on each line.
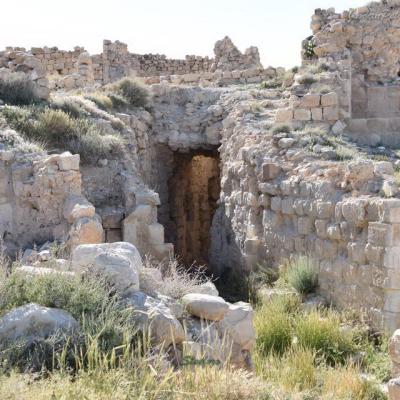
321, 228
284, 115
356, 252
304, 226
380, 234
330, 113
302, 115
86, 231
287, 206
276, 204
374, 254
76, 207
353, 211
310, 100
324, 209
390, 210
144, 214
67, 161
155, 233
130, 229
329, 99
316, 114
270, 171
204, 306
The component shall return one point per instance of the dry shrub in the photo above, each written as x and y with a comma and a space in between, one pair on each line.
17, 89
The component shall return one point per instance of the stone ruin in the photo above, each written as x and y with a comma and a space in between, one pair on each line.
206, 179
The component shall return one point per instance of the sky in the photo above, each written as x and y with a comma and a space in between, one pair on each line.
173, 27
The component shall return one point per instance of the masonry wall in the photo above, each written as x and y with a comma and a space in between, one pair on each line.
32, 197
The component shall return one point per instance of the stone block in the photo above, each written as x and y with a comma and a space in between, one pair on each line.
270, 171
374, 254
320, 228
390, 210
324, 209
380, 234
356, 252
67, 162
331, 113
316, 114
155, 233
113, 235
304, 226
302, 114
353, 211
276, 204
333, 232
310, 100
287, 206
329, 99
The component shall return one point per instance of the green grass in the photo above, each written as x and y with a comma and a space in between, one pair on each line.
302, 275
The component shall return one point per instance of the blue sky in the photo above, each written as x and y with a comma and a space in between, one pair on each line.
171, 27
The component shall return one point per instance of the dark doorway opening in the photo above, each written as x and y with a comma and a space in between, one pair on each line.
194, 188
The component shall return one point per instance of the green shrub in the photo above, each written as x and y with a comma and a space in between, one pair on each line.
271, 84
135, 93
71, 293
20, 118
118, 101
17, 89
274, 328
101, 100
302, 275
54, 126
306, 79
281, 128
322, 332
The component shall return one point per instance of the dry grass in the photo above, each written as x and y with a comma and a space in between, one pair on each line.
178, 280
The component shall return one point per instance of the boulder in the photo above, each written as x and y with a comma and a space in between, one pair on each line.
153, 316
27, 271
206, 288
205, 306
237, 325
119, 262
32, 321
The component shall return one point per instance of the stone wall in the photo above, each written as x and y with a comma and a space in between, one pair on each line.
368, 36
115, 62
34, 192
